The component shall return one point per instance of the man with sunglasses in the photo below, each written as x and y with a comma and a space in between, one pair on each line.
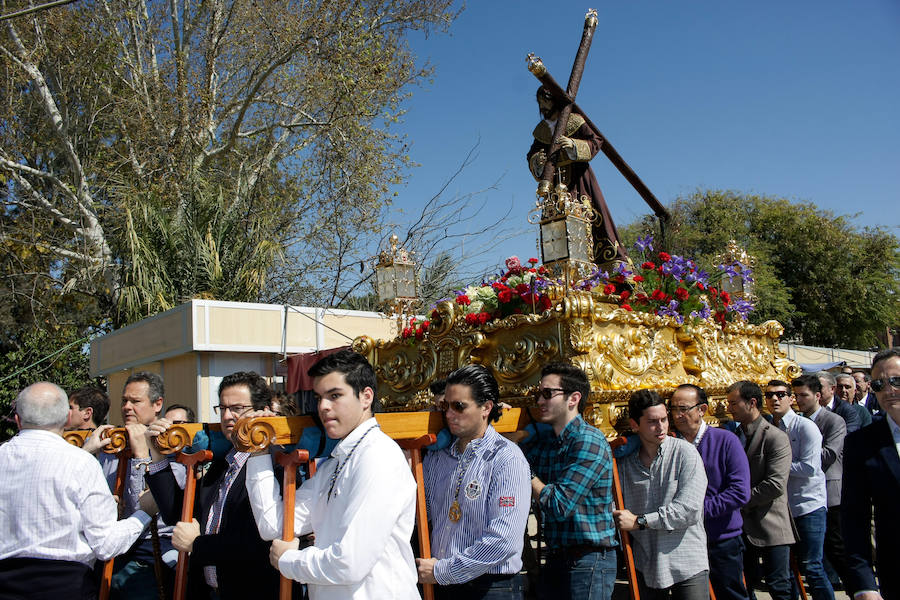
572, 486
807, 391
728, 489
872, 480
478, 497
222, 539
805, 486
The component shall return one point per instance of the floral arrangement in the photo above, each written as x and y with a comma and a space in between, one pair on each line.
678, 287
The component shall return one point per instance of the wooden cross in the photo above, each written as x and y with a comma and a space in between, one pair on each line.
566, 98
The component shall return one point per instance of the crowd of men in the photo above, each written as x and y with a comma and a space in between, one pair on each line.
706, 508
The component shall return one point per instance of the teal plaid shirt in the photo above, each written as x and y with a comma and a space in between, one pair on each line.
577, 503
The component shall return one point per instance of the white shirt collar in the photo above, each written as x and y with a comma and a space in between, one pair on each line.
346, 444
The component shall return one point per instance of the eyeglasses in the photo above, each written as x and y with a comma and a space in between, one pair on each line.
547, 393
179, 422
680, 410
779, 394
236, 409
879, 384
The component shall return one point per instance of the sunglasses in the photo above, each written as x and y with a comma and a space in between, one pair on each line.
879, 384
780, 394
547, 393
457, 407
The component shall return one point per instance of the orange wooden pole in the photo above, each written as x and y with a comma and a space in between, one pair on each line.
626, 539
119, 491
192, 462
415, 451
290, 461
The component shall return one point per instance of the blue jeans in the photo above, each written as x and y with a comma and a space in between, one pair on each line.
695, 587
808, 550
589, 577
486, 587
726, 568
776, 570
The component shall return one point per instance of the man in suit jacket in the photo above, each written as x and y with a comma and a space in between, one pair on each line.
872, 479
864, 394
768, 528
830, 401
807, 391
228, 555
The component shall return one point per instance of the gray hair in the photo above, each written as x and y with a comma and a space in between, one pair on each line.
42, 405
828, 377
844, 376
155, 387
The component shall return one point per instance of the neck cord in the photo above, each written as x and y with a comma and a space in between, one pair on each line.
340, 466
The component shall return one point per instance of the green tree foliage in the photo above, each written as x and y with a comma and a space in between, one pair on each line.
232, 149
828, 282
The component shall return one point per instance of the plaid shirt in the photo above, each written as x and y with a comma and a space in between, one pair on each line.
576, 503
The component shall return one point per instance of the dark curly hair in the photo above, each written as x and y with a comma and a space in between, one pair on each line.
483, 386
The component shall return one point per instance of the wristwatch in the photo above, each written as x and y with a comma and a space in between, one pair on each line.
641, 522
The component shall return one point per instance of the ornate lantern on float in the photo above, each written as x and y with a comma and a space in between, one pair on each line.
395, 280
567, 244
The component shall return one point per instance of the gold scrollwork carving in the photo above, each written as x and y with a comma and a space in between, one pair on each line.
174, 439
513, 362
76, 438
403, 373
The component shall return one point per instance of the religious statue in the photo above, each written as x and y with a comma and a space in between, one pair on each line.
578, 144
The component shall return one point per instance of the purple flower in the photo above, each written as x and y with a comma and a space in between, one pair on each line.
741, 307
699, 276
622, 270
703, 313
671, 310
729, 271
644, 244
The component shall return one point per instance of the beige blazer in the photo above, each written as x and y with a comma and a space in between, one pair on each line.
767, 519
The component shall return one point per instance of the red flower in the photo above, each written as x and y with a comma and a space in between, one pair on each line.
463, 300
624, 295
627, 307
471, 318
720, 317
609, 288
426, 324
648, 265
483, 317
619, 279
542, 270
713, 292
665, 257
407, 331
533, 261
545, 303
700, 286
522, 288
532, 270
682, 294
504, 295
657, 294
638, 278
726, 298
420, 333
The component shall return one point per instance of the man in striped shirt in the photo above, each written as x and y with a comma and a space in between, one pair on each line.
478, 497
572, 486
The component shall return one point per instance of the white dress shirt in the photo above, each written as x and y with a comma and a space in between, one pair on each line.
362, 533
895, 431
806, 481
55, 504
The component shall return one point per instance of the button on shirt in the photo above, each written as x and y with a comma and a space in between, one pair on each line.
362, 539
494, 497
576, 502
55, 504
806, 481
670, 495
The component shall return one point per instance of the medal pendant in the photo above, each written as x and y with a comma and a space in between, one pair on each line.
454, 513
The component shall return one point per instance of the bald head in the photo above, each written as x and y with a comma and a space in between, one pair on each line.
42, 405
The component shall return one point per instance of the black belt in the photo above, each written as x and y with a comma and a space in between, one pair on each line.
576, 551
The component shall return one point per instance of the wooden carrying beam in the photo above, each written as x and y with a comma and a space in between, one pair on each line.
192, 462
626, 538
415, 453
289, 461
121, 473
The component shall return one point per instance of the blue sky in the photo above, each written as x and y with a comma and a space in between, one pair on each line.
797, 99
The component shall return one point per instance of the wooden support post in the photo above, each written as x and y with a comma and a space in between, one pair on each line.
289, 461
415, 452
626, 538
193, 463
119, 491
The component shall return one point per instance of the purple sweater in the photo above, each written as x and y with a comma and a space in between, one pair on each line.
728, 472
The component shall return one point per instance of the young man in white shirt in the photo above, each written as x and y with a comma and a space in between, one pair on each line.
361, 503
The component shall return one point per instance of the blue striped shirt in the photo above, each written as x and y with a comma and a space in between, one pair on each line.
494, 497
576, 502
